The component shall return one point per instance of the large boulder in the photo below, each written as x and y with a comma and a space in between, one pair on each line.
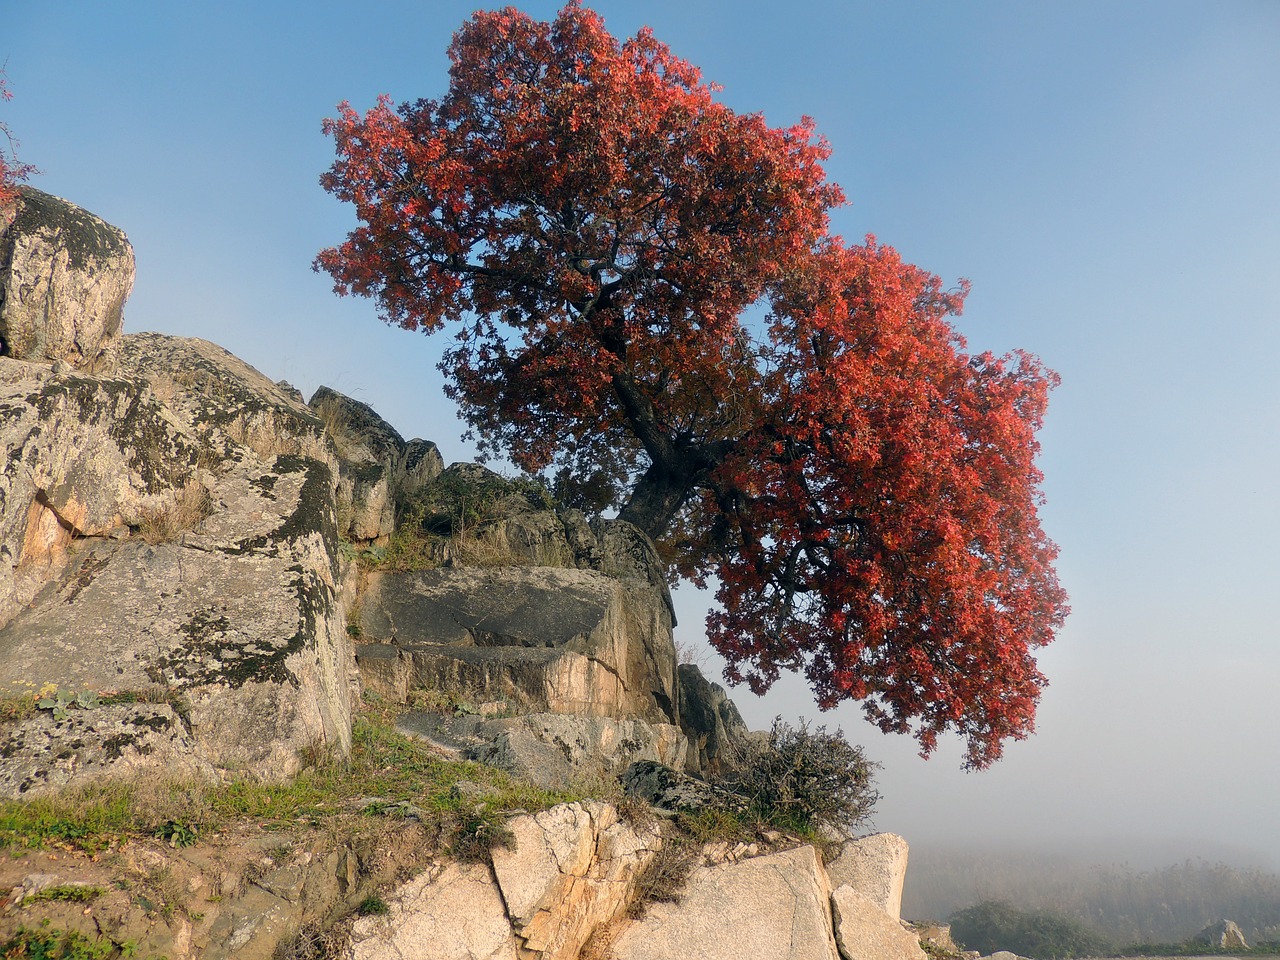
64, 277
161, 551
534, 639
865, 932
1222, 935
571, 870
376, 467
233, 409
774, 906
875, 867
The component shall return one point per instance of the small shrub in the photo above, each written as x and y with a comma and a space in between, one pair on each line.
802, 780
663, 880
177, 834
996, 925
189, 507
373, 906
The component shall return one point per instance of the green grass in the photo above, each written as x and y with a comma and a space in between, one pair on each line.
384, 764
46, 944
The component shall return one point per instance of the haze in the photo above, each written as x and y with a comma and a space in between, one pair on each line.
1105, 174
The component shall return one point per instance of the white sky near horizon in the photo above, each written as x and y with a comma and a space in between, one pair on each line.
1106, 174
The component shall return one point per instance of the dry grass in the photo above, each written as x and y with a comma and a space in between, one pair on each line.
163, 523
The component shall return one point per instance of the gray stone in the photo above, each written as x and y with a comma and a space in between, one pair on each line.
232, 408
552, 750
774, 906
371, 457
716, 731
546, 639
673, 790
1222, 935
865, 932
422, 464
875, 867
64, 277
162, 528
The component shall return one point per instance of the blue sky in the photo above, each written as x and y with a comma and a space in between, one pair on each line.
1104, 173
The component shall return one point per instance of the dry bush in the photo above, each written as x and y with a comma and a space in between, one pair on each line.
190, 505
663, 880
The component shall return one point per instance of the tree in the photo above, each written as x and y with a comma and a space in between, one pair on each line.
644, 292
11, 171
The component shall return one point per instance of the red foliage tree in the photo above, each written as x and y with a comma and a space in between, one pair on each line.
599, 233
11, 171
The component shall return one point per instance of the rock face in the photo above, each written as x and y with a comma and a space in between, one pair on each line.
376, 468
534, 639
876, 866
862, 932
717, 734
771, 906
551, 749
64, 277
572, 869
168, 536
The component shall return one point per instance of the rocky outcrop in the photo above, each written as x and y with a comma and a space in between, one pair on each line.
168, 537
875, 866
551, 749
777, 904
377, 469
717, 734
528, 639
569, 870
64, 277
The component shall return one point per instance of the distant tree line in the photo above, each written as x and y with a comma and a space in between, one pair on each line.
1118, 903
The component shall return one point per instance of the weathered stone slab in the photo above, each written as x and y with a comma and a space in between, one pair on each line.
773, 906
79, 456
552, 750
875, 867
551, 639
64, 277
453, 912
866, 932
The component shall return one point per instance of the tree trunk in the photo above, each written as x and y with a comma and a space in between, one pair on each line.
656, 499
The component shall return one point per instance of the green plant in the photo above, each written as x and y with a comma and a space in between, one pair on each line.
801, 780
177, 833
66, 893
373, 906
50, 944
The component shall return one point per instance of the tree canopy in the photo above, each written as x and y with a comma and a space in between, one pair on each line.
645, 295
11, 171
